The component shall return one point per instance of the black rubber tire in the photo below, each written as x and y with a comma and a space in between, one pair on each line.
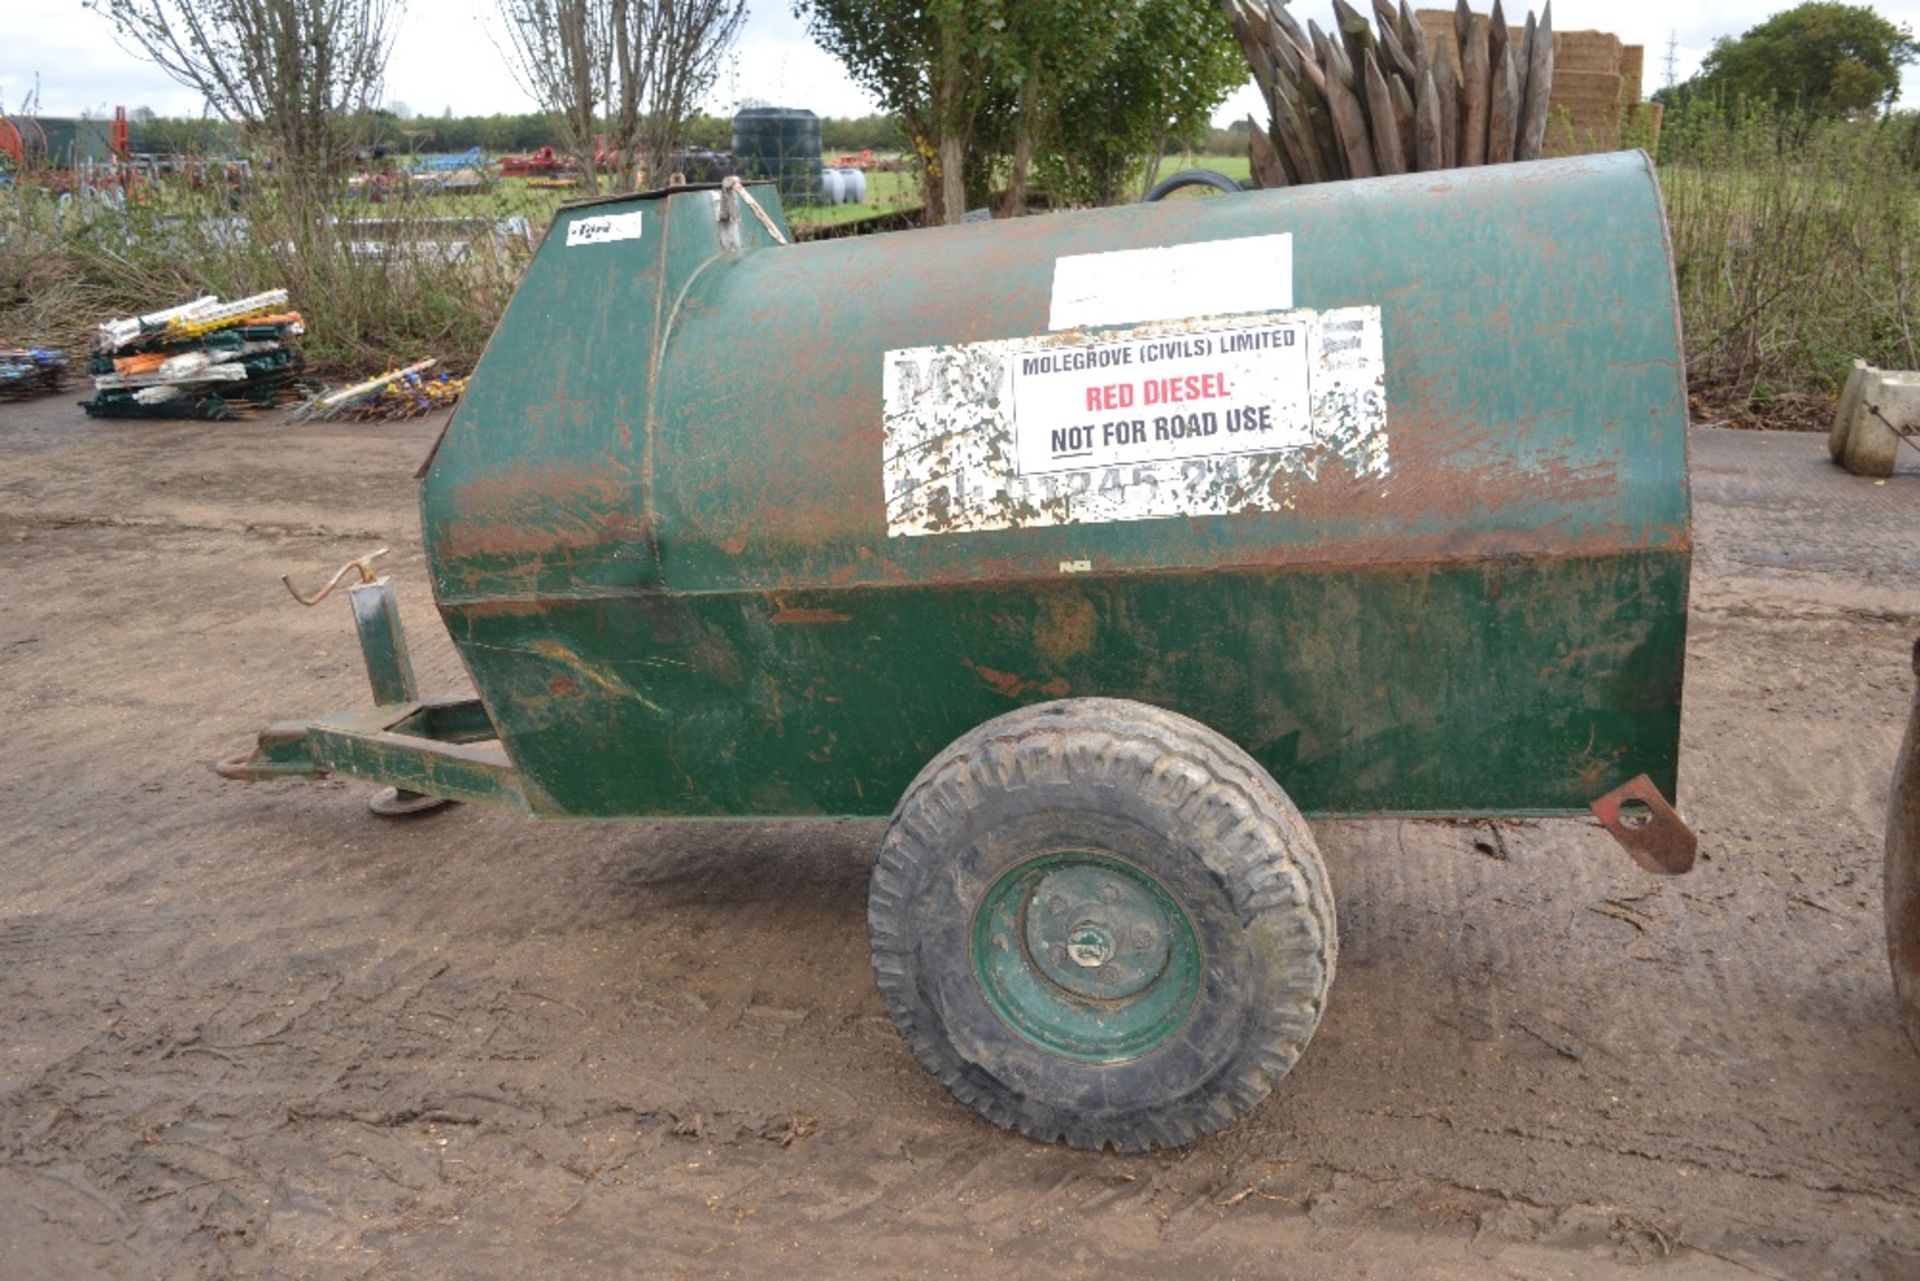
1192, 178
1175, 799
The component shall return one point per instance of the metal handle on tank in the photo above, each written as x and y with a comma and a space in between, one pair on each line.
362, 564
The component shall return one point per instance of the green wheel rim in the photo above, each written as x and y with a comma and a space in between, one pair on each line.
1086, 956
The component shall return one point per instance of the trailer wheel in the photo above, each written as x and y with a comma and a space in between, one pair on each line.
1100, 922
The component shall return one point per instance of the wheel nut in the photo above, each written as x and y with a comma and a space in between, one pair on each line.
1089, 946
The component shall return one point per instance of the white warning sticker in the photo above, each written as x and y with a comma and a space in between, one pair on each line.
1188, 418
604, 228
1173, 282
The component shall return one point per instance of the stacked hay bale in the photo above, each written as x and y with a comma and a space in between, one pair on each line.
1360, 102
1597, 85
1600, 107
201, 359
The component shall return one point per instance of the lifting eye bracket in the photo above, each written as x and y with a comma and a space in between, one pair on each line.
363, 565
1657, 837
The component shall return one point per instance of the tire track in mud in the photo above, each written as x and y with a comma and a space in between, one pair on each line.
53, 521
253, 1032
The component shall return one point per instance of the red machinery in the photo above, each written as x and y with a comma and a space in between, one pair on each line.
544, 163
64, 154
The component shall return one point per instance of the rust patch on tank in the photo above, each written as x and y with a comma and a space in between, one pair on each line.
789, 614
528, 511
1009, 685
1065, 628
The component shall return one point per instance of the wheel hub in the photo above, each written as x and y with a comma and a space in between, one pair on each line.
1098, 932
1089, 945
1086, 955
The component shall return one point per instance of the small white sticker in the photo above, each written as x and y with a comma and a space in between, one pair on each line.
1198, 418
1177, 282
604, 228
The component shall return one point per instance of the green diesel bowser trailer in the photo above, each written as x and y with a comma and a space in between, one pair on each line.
1096, 549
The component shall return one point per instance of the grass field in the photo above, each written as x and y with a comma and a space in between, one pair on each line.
1238, 168
886, 193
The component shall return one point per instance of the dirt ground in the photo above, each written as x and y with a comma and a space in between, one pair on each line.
255, 1031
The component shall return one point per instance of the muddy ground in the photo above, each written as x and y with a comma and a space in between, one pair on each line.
253, 1031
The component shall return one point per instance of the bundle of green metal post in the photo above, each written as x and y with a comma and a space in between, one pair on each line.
1363, 102
201, 359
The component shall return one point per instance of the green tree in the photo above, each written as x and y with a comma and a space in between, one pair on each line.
1160, 84
1052, 51
860, 133
1821, 57
561, 51
1083, 91
930, 62
293, 74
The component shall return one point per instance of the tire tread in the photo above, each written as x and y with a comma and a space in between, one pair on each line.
1258, 844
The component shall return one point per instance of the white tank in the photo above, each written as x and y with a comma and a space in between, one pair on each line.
853, 187
831, 189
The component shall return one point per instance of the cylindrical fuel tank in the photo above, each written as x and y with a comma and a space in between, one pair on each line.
1385, 480
831, 188
853, 187
781, 145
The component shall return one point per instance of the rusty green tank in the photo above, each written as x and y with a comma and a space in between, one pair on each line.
1378, 488
666, 539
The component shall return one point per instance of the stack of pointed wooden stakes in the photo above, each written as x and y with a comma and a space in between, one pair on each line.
1360, 103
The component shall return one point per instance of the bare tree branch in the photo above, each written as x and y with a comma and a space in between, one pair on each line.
296, 74
561, 52
674, 49
638, 66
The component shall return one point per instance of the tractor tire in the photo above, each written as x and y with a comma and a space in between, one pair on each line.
1100, 922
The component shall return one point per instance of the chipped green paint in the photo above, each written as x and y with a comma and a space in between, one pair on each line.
439, 748
1502, 686
383, 646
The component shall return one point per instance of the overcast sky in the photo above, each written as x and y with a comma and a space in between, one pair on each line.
445, 58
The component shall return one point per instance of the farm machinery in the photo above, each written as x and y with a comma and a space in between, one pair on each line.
1097, 553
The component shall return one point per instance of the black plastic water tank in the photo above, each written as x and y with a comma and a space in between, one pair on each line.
783, 144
